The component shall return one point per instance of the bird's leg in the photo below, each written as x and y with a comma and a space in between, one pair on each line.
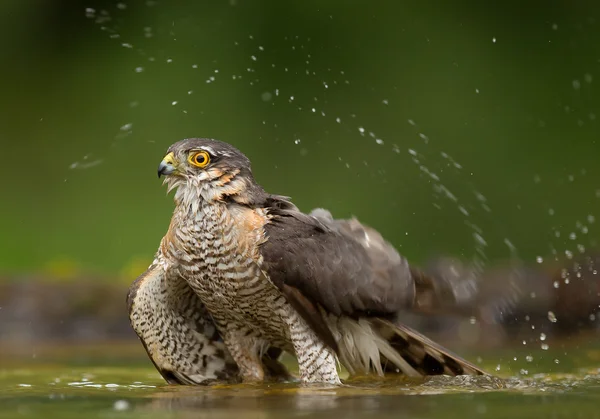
274, 369
245, 351
316, 360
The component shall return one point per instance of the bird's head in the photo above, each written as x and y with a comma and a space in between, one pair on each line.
202, 168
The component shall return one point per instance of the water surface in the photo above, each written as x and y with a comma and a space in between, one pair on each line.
105, 383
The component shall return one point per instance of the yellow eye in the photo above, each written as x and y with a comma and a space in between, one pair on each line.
200, 159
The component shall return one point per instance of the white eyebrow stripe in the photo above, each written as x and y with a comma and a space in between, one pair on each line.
210, 150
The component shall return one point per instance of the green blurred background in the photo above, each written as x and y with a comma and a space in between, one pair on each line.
458, 128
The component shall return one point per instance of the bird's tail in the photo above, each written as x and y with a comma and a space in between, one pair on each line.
378, 345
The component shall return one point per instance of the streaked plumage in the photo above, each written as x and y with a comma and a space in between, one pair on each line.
273, 277
179, 334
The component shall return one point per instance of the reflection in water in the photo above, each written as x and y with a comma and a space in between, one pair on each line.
109, 392
391, 396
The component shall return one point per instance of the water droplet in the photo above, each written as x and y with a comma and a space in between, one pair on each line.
498, 367
569, 254
539, 259
174, 103
266, 96
510, 245
552, 317
297, 141
121, 405
544, 346
576, 84
494, 40
529, 358
591, 219
542, 337
478, 238
587, 77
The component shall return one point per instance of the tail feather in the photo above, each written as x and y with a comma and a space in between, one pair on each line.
423, 354
377, 345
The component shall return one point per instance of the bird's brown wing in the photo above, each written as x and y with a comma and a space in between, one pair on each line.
349, 270
330, 267
321, 263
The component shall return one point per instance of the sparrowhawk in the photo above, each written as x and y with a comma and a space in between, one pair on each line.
242, 274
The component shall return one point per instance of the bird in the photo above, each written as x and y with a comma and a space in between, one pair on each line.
242, 275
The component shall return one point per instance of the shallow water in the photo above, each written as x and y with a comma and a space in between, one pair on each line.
79, 382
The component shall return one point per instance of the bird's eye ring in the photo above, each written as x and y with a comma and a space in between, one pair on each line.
200, 159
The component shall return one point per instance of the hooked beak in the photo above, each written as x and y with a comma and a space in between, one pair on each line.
167, 166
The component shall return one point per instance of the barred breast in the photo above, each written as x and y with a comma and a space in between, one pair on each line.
216, 250
176, 329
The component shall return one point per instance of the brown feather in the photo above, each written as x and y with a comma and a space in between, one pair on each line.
332, 269
348, 269
423, 354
